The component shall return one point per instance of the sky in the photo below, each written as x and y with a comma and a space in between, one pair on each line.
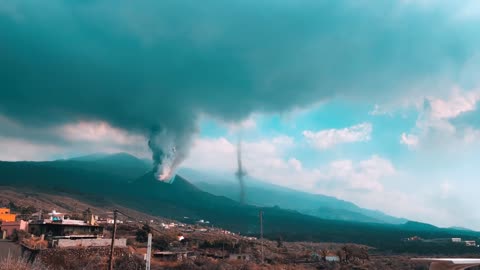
374, 103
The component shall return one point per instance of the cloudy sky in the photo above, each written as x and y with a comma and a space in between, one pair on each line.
372, 102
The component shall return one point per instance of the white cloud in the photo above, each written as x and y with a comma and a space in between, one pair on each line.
362, 182
445, 189
66, 140
471, 135
459, 102
95, 132
283, 141
212, 154
220, 154
270, 160
409, 139
434, 127
18, 150
325, 139
296, 164
364, 175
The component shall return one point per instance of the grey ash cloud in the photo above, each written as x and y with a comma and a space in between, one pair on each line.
152, 67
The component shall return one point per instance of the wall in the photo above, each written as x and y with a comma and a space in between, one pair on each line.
11, 226
63, 243
83, 258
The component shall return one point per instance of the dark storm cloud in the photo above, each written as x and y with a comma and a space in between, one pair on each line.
156, 65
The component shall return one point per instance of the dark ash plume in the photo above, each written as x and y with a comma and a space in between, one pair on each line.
143, 64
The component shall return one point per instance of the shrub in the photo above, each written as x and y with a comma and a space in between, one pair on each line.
19, 263
18, 236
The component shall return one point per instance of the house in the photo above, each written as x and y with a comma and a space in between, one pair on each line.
8, 227
5, 215
332, 257
65, 230
168, 225
470, 243
57, 226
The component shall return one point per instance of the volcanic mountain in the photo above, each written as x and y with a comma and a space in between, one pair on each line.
180, 199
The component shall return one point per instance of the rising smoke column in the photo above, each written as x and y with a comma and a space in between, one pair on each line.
240, 173
169, 149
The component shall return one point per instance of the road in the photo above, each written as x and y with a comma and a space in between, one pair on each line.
7, 247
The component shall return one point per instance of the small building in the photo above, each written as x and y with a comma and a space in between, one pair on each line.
57, 226
332, 257
5, 215
239, 256
65, 230
108, 221
56, 216
470, 243
456, 240
413, 239
171, 255
8, 227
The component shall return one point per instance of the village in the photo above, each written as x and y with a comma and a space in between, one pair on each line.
49, 237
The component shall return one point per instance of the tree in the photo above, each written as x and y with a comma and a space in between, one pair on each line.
160, 243
142, 234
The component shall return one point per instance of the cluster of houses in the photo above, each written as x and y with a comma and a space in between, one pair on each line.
61, 230
456, 240
58, 229
468, 243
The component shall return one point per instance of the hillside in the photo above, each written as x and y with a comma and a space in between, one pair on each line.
21, 200
318, 205
123, 165
182, 199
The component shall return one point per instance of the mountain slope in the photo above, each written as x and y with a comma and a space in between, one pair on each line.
128, 167
123, 165
181, 198
322, 206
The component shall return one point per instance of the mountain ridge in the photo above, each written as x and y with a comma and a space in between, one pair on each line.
183, 199
318, 205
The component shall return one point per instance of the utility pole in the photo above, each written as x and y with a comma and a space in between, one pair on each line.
149, 251
110, 261
261, 233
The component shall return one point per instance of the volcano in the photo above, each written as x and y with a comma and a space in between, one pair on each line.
180, 199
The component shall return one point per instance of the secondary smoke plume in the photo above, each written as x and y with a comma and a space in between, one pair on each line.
240, 172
